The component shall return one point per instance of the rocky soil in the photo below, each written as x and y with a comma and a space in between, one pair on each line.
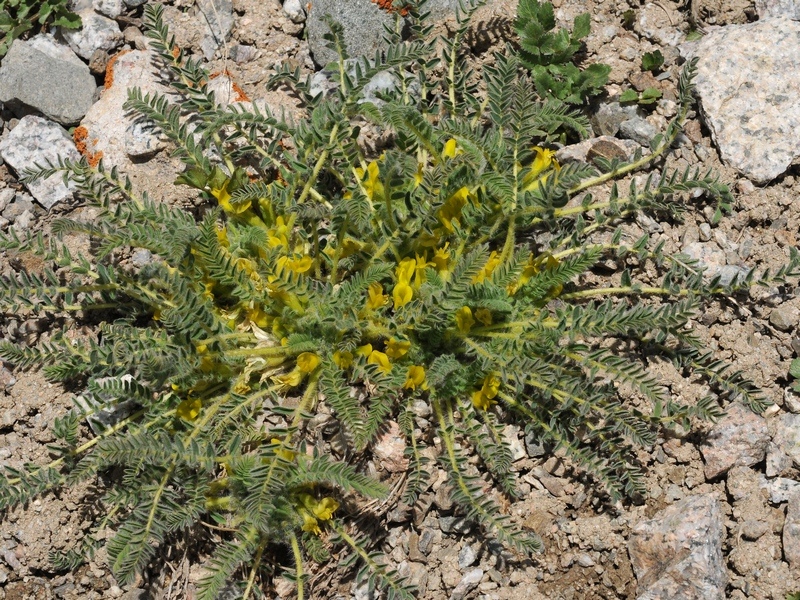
722, 515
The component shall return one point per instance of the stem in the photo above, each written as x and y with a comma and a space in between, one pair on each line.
298, 565
318, 166
254, 568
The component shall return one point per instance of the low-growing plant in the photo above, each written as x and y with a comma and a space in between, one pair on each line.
652, 61
550, 54
18, 17
645, 98
325, 283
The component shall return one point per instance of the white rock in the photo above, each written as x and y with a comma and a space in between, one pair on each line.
294, 10
747, 81
36, 140
218, 18
96, 32
778, 8
390, 447
740, 438
791, 532
784, 449
110, 131
109, 8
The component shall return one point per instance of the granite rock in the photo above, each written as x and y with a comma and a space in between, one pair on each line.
747, 82
46, 77
218, 18
33, 141
740, 438
784, 449
678, 553
791, 532
96, 32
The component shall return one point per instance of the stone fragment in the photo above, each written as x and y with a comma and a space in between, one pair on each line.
362, 22
791, 401
108, 131
778, 8
604, 146
218, 17
96, 32
48, 78
743, 481
784, 317
110, 8
713, 260
740, 438
241, 53
466, 557
33, 141
784, 449
780, 489
416, 574
607, 119
791, 532
652, 24
747, 82
390, 448
678, 554
639, 130
294, 10
468, 583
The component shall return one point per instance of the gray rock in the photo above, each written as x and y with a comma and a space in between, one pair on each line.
609, 116
6, 197
747, 82
533, 446
110, 8
96, 32
778, 8
109, 131
362, 22
23, 222
791, 401
466, 557
713, 259
218, 16
453, 525
294, 10
416, 574
678, 554
468, 583
753, 529
784, 449
38, 141
653, 25
604, 145
743, 481
134, 3
47, 78
389, 449
791, 532
638, 130
784, 317
19, 204
426, 539
584, 560
740, 438
142, 258
780, 489
243, 54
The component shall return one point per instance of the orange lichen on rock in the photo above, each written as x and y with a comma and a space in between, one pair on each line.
109, 79
388, 6
240, 95
79, 136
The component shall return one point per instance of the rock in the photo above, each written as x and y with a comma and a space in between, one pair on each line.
110, 8
96, 32
21, 202
584, 560
743, 481
678, 554
753, 529
604, 146
453, 525
713, 259
107, 131
48, 78
416, 574
468, 583
791, 401
134, 3
609, 116
99, 62
740, 438
362, 22
294, 10
784, 449
639, 130
38, 141
784, 317
781, 489
511, 435
390, 448
23, 222
652, 24
218, 16
778, 8
791, 532
747, 82
466, 557
533, 446
241, 53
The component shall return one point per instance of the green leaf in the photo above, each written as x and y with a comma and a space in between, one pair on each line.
581, 26
628, 96
652, 61
794, 368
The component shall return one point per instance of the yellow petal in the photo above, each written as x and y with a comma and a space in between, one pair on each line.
375, 296
281, 451
480, 401
291, 379
324, 509
491, 385
397, 348
484, 316
402, 294
405, 270
464, 320
381, 360
310, 523
189, 409
488, 268
364, 350
450, 149
415, 378
343, 359
307, 362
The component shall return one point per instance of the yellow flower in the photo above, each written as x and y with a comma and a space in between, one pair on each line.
257, 316
313, 511
542, 162
222, 237
402, 294
488, 268
451, 209
291, 379
419, 174
464, 320
441, 258
364, 350
189, 409
405, 270
307, 362
343, 359
296, 265
375, 296
415, 378
282, 452
381, 360
371, 183
310, 523
278, 235
483, 398
397, 348
484, 315
451, 149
